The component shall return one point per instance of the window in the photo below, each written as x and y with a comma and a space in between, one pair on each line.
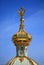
22, 48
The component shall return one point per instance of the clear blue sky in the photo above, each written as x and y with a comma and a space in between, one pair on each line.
9, 25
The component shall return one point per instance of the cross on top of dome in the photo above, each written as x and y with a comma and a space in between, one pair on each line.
21, 11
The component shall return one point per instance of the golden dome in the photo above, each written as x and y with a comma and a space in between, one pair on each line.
22, 38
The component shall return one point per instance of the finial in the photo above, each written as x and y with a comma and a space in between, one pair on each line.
21, 11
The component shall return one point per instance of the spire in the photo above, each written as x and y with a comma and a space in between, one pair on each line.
21, 39
21, 13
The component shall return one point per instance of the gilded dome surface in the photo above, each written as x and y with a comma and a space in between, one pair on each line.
21, 37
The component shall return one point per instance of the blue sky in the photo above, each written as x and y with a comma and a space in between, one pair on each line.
9, 25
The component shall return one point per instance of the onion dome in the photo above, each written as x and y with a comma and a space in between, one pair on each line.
21, 37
